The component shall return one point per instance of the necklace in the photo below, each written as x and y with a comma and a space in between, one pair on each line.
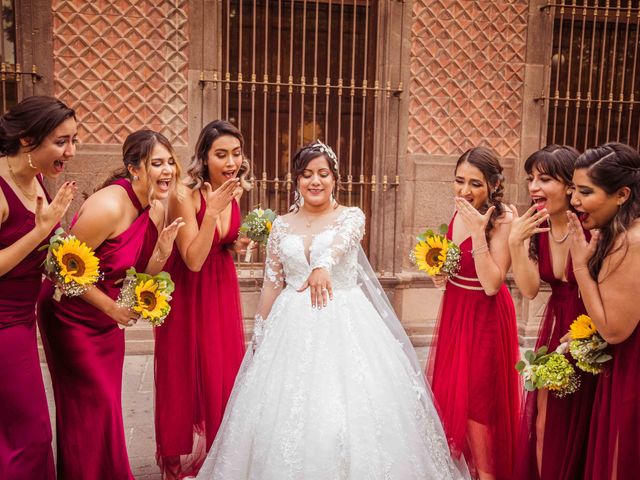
309, 223
30, 195
562, 240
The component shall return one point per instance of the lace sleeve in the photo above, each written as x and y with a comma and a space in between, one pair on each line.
273, 272
350, 230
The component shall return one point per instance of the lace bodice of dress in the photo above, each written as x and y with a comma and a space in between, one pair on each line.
293, 253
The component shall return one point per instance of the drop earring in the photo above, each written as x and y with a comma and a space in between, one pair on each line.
30, 162
136, 177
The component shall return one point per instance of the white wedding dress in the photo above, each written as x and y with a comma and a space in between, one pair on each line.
329, 394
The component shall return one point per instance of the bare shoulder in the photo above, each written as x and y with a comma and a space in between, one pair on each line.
286, 217
109, 203
633, 235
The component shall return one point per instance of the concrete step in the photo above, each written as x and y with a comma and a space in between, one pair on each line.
420, 334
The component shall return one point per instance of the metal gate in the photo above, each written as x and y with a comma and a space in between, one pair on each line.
594, 84
292, 71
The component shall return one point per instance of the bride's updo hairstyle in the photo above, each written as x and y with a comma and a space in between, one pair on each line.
303, 157
485, 160
611, 167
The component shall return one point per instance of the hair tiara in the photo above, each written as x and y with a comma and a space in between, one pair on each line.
327, 150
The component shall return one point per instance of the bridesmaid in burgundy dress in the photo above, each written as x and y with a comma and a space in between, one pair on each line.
471, 366
37, 137
201, 345
553, 431
607, 198
81, 335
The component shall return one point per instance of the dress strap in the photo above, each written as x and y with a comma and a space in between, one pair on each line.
12, 198
44, 188
126, 184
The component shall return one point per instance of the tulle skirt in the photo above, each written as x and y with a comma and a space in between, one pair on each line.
329, 394
473, 377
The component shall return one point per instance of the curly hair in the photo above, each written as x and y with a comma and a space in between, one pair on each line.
197, 171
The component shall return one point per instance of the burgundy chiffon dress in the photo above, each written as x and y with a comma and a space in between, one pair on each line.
566, 426
471, 368
198, 352
85, 353
25, 430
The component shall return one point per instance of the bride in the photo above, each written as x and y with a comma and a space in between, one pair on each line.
332, 388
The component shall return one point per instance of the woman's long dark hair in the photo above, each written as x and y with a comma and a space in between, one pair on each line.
197, 171
611, 167
32, 120
487, 162
556, 161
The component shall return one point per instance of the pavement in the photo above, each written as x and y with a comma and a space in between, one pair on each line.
137, 405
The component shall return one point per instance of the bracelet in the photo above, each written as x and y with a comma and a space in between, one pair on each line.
160, 259
481, 249
579, 268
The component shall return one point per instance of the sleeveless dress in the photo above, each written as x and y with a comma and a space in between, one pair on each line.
329, 394
567, 419
25, 429
85, 354
198, 351
615, 421
472, 369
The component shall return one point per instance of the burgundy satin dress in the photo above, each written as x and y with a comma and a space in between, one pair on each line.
25, 430
198, 352
471, 368
567, 419
85, 353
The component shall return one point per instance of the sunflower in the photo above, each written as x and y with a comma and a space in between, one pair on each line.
582, 327
76, 262
151, 302
430, 254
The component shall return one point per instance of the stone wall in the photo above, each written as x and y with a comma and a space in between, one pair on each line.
122, 66
467, 69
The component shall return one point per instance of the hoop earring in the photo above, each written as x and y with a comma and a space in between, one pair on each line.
29, 161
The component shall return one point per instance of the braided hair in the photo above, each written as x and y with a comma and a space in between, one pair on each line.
611, 167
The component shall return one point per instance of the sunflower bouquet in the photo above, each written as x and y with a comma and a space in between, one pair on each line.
70, 264
552, 371
257, 226
435, 254
147, 295
587, 347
